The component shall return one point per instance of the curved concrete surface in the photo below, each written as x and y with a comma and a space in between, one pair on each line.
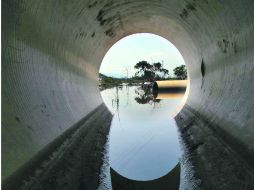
170, 86
52, 50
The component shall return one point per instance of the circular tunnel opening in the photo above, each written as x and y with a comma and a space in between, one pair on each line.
143, 81
138, 54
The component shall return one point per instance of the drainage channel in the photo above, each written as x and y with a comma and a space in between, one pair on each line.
143, 150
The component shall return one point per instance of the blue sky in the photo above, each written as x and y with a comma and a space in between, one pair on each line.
128, 51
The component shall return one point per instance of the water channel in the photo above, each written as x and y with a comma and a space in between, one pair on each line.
143, 142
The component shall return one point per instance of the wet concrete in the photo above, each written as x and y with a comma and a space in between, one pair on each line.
71, 162
212, 157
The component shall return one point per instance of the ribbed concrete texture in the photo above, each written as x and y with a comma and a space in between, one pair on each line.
52, 51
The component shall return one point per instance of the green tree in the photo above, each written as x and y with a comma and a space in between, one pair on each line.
150, 71
144, 69
159, 70
181, 72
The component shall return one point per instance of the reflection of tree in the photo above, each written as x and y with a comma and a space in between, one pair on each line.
142, 100
127, 88
156, 103
145, 96
116, 100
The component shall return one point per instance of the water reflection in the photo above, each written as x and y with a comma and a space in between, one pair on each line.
170, 181
143, 139
145, 96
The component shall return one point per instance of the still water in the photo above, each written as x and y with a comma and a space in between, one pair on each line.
143, 140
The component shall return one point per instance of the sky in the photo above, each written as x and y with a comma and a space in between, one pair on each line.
128, 51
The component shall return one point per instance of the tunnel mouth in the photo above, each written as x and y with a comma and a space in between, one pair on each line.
169, 87
141, 104
155, 88
176, 87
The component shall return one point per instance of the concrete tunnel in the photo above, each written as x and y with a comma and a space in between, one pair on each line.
51, 55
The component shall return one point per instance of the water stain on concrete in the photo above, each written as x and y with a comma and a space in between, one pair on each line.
92, 5
235, 47
110, 32
80, 34
106, 21
227, 46
223, 45
187, 10
30, 127
82, 11
99, 17
17, 119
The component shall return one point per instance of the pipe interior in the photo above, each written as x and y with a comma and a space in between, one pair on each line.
52, 51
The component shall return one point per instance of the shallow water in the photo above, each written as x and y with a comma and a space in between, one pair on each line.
143, 139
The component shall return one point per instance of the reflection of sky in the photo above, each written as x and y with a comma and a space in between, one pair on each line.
143, 137
134, 48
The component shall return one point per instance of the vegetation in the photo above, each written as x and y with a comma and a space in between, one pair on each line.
145, 96
151, 72
181, 72
145, 72
108, 82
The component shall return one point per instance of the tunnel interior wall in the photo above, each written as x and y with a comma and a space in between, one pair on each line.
52, 51
49, 83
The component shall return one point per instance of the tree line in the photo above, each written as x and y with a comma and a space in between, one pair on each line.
144, 72
156, 71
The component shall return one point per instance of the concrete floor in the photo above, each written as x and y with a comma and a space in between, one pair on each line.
52, 51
